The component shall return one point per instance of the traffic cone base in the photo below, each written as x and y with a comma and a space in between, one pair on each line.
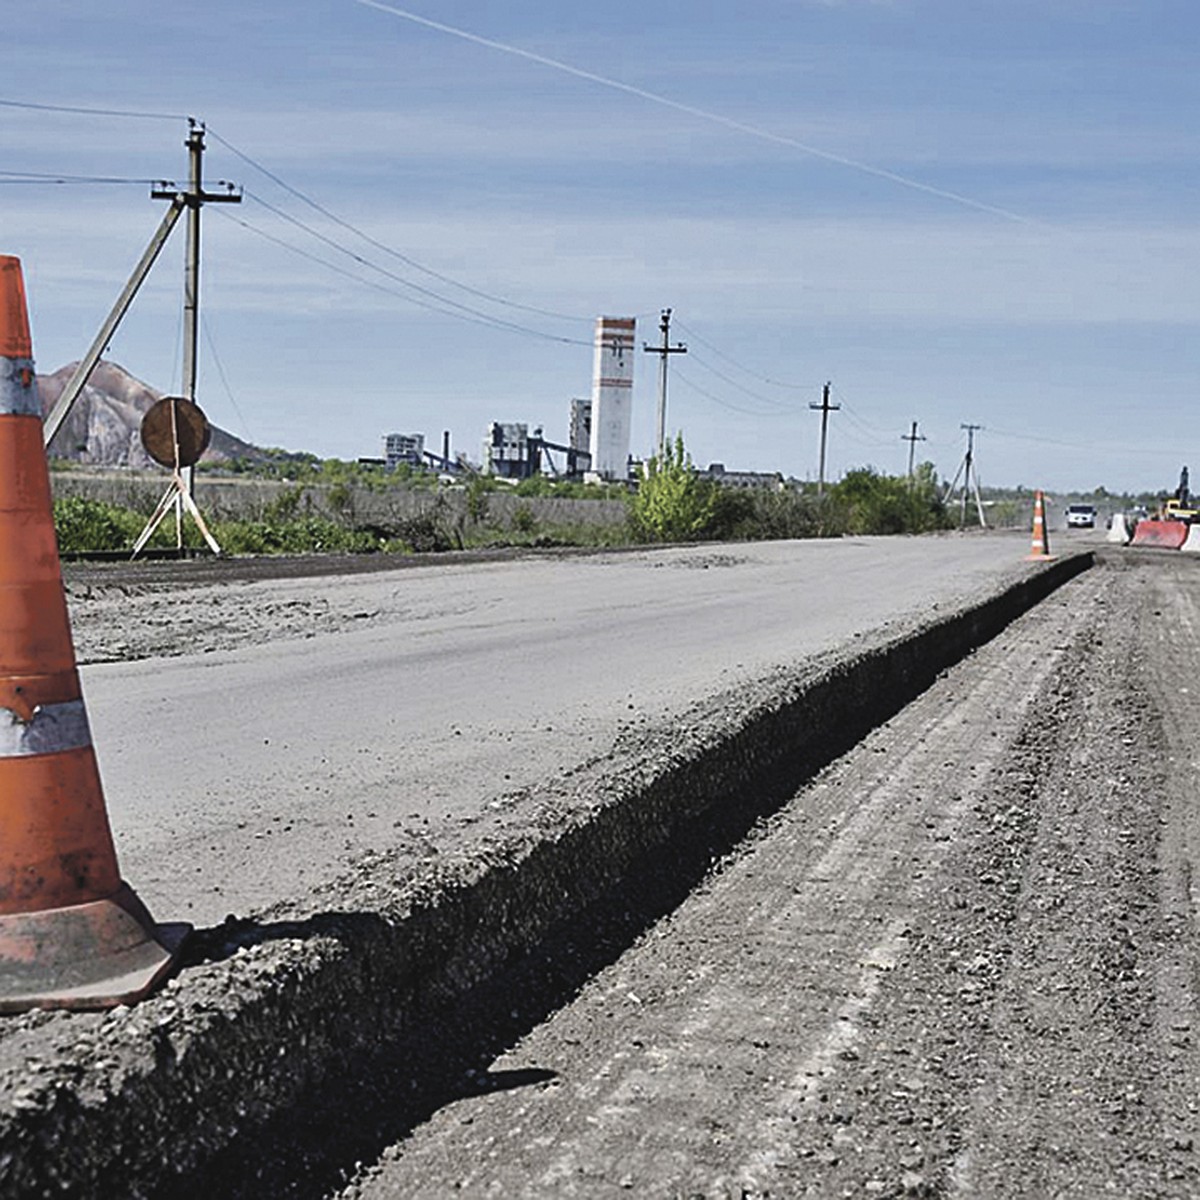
85, 956
72, 934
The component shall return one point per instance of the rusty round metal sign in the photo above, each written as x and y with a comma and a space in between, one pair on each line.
173, 422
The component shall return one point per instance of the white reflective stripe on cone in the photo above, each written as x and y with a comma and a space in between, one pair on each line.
18, 391
53, 729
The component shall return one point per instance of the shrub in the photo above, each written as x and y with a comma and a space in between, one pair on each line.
85, 526
302, 535
478, 499
777, 515
871, 503
535, 485
523, 520
672, 503
425, 533
285, 505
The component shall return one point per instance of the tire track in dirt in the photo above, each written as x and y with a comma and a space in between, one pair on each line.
1075, 1098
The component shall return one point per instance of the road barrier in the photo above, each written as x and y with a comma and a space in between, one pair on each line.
1165, 534
1119, 531
72, 934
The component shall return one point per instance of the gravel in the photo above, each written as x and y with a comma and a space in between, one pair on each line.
314, 1037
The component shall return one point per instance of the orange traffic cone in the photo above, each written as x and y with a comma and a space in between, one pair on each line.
1041, 539
72, 935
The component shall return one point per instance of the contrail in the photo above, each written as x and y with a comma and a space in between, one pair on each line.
703, 114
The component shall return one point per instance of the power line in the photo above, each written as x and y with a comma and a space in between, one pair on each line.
212, 349
408, 261
875, 437
693, 336
404, 258
1098, 447
484, 320
878, 436
93, 112
741, 387
682, 377
40, 177
329, 266
451, 307
176, 356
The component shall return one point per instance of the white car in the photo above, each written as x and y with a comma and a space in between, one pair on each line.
1081, 516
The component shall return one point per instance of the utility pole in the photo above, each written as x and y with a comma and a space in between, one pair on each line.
664, 351
912, 439
970, 476
825, 409
193, 198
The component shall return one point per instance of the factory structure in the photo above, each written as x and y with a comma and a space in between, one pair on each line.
404, 448
597, 449
598, 443
579, 431
408, 450
510, 451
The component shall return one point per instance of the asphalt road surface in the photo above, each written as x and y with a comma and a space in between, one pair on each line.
254, 737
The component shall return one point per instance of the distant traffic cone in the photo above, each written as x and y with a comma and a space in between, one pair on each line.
72, 934
1041, 539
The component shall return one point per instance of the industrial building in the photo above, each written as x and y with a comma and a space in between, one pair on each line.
579, 432
598, 441
508, 452
764, 480
407, 448
612, 398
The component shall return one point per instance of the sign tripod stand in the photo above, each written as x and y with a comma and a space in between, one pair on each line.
175, 433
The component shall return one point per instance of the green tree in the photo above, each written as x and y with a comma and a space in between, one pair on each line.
672, 503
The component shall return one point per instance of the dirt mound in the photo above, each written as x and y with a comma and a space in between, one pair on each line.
103, 427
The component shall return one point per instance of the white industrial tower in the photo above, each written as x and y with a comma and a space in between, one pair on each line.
612, 397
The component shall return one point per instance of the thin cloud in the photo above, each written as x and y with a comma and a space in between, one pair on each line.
702, 114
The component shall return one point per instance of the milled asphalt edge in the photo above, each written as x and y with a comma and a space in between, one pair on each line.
128, 1102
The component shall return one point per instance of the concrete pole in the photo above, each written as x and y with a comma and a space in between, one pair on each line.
825, 409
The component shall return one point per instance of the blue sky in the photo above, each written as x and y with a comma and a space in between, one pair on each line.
955, 211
